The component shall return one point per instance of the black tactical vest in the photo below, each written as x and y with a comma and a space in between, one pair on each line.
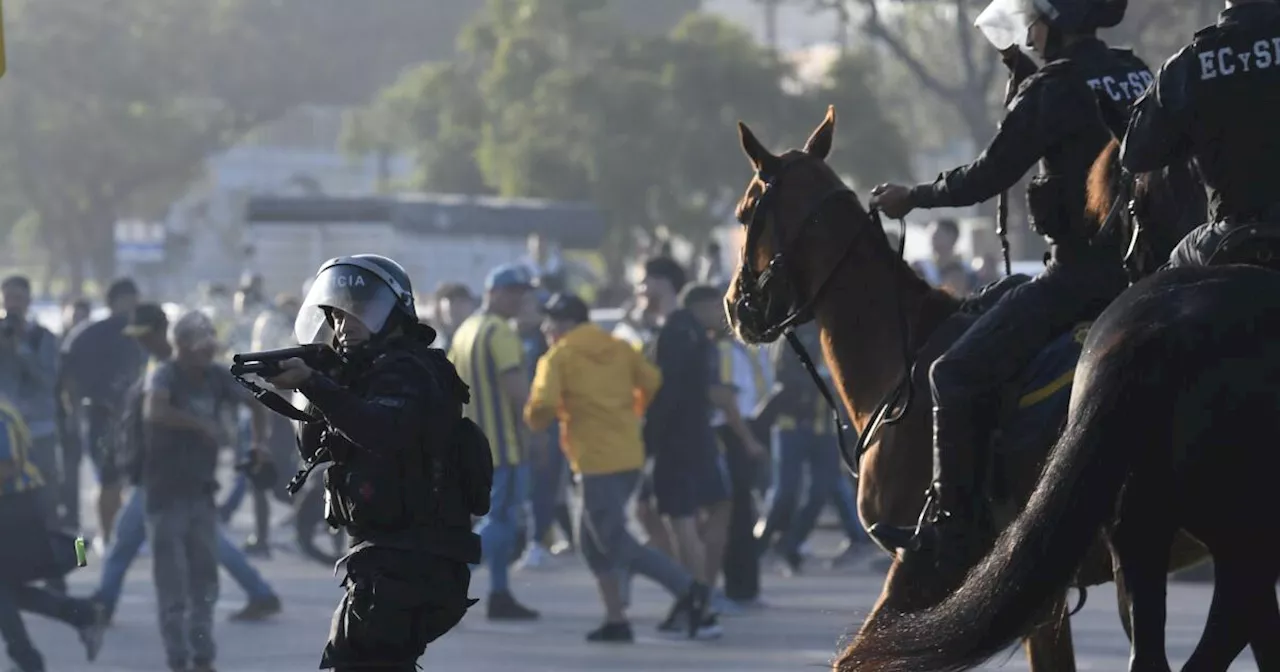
378, 492
1232, 79
1117, 78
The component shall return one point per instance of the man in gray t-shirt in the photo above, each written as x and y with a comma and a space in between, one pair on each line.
183, 403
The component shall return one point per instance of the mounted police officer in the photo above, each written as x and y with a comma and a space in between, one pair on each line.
388, 420
1057, 117
1217, 102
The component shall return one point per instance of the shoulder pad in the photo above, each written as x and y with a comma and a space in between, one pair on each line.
397, 358
1052, 71
1121, 51
1060, 65
1207, 31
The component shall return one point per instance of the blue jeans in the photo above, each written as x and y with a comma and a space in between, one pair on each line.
240, 482
795, 449
131, 532
500, 529
548, 484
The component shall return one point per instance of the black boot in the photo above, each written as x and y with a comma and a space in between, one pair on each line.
952, 506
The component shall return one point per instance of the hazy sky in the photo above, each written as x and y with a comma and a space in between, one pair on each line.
796, 28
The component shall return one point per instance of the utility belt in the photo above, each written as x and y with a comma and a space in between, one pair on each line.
1266, 215
453, 542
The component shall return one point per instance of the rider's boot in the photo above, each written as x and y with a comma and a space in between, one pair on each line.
953, 506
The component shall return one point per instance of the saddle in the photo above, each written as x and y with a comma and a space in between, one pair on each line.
1254, 244
1027, 409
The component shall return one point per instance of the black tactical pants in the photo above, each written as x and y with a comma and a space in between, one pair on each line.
968, 377
397, 603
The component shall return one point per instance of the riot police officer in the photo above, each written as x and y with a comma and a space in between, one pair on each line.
1217, 102
387, 421
1056, 117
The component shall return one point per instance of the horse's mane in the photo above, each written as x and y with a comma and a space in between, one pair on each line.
1100, 193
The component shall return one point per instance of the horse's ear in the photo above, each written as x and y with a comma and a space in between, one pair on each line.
761, 159
819, 144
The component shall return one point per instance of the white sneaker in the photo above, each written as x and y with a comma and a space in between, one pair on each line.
537, 557
724, 606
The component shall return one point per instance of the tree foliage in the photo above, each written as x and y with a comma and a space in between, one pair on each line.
551, 98
105, 99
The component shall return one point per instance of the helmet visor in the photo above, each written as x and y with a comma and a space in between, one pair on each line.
1005, 22
353, 290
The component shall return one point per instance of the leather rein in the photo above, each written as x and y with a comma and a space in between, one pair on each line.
755, 306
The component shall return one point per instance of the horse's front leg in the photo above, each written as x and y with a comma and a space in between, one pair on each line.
1049, 647
1140, 543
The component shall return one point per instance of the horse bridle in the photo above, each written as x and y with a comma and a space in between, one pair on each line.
1123, 204
754, 306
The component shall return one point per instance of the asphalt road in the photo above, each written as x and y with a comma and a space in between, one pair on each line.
800, 628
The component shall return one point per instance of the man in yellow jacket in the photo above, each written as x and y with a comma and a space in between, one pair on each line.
598, 387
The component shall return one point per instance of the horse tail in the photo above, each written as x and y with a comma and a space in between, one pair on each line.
1036, 557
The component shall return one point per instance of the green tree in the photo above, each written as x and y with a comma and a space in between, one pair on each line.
551, 99
874, 148
106, 101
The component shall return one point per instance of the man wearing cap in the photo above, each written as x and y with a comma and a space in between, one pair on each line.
598, 386
150, 326
487, 352
183, 402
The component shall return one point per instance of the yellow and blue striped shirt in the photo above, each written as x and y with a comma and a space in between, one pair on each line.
485, 347
17, 473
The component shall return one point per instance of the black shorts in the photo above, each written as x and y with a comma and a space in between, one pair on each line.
685, 484
397, 603
99, 423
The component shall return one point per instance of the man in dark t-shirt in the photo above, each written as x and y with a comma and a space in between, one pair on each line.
99, 363
688, 475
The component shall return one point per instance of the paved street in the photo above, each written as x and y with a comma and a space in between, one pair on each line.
799, 630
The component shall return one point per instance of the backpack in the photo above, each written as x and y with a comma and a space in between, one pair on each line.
468, 449
475, 466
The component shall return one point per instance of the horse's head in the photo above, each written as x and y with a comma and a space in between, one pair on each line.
1149, 214
801, 222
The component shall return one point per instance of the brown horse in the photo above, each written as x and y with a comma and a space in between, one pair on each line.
813, 251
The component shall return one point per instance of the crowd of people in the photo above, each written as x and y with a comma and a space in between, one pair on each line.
94, 392
725, 454
664, 412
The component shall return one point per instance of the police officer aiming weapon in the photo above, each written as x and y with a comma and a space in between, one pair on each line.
405, 472
268, 363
